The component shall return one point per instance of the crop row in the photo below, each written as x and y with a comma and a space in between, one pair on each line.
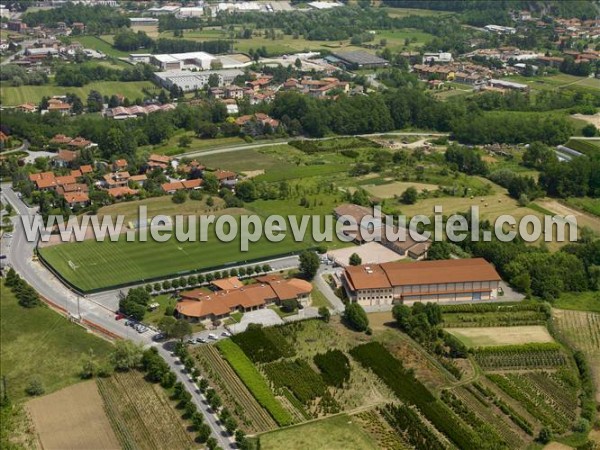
263, 345
515, 417
532, 356
253, 380
386, 437
334, 367
233, 391
531, 401
411, 428
491, 307
564, 397
298, 377
485, 431
407, 388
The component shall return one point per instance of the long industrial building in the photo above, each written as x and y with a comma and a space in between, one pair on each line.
446, 281
190, 81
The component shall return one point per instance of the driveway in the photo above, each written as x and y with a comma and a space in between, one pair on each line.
267, 317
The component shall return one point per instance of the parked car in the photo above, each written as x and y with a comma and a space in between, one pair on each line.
212, 336
201, 340
120, 316
128, 323
226, 334
191, 341
158, 337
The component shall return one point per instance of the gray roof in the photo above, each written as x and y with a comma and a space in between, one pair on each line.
360, 57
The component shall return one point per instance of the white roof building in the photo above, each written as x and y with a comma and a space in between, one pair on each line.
190, 81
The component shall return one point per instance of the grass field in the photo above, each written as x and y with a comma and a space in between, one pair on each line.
496, 336
334, 433
586, 146
141, 414
93, 265
580, 301
103, 45
397, 188
33, 94
73, 417
171, 147
555, 81
40, 343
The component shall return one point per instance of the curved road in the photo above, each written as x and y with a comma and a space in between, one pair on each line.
19, 254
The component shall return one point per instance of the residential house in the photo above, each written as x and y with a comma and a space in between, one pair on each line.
27, 108
76, 199
158, 161
122, 191
139, 179
65, 158
119, 164
197, 305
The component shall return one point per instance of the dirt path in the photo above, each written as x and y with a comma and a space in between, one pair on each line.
583, 218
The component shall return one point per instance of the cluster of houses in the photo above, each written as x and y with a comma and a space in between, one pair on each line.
231, 295
114, 178
122, 112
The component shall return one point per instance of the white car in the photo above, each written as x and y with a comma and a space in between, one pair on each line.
226, 334
212, 336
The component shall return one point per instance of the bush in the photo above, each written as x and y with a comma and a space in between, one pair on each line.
355, 317
35, 387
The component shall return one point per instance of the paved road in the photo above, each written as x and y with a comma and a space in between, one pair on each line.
19, 253
323, 286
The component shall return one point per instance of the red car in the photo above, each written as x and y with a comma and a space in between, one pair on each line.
119, 316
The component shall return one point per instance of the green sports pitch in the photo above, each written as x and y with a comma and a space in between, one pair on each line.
92, 265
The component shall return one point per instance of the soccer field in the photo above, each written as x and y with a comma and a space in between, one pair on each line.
12, 95
91, 265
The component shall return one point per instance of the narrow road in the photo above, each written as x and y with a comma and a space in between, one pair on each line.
241, 147
19, 253
324, 287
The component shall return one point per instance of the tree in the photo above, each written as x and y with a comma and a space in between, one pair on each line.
324, 313
203, 433
173, 328
355, 259
589, 130
95, 101
213, 80
298, 63
545, 435
356, 317
439, 250
127, 355
185, 141
179, 197
211, 443
309, 264
211, 183
409, 196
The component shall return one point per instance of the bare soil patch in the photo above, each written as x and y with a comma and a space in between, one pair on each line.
494, 336
73, 418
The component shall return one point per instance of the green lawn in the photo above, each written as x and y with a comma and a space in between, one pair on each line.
40, 343
318, 298
11, 95
588, 204
93, 265
171, 146
581, 301
101, 45
334, 433
164, 300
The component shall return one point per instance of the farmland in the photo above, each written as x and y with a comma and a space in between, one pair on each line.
141, 414
236, 397
493, 336
581, 329
40, 343
73, 417
33, 94
254, 381
335, 433
517, 357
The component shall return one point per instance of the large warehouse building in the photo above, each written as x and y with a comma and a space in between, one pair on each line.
446, 281
190, 81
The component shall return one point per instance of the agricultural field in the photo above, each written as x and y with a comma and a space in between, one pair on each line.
12, 95
583, 218
553, 82
496, 336
141, 414
581, 330
520, 357
335, 433
587, 146
494, 315
171, 146
40, 343
73, 417
251, 416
